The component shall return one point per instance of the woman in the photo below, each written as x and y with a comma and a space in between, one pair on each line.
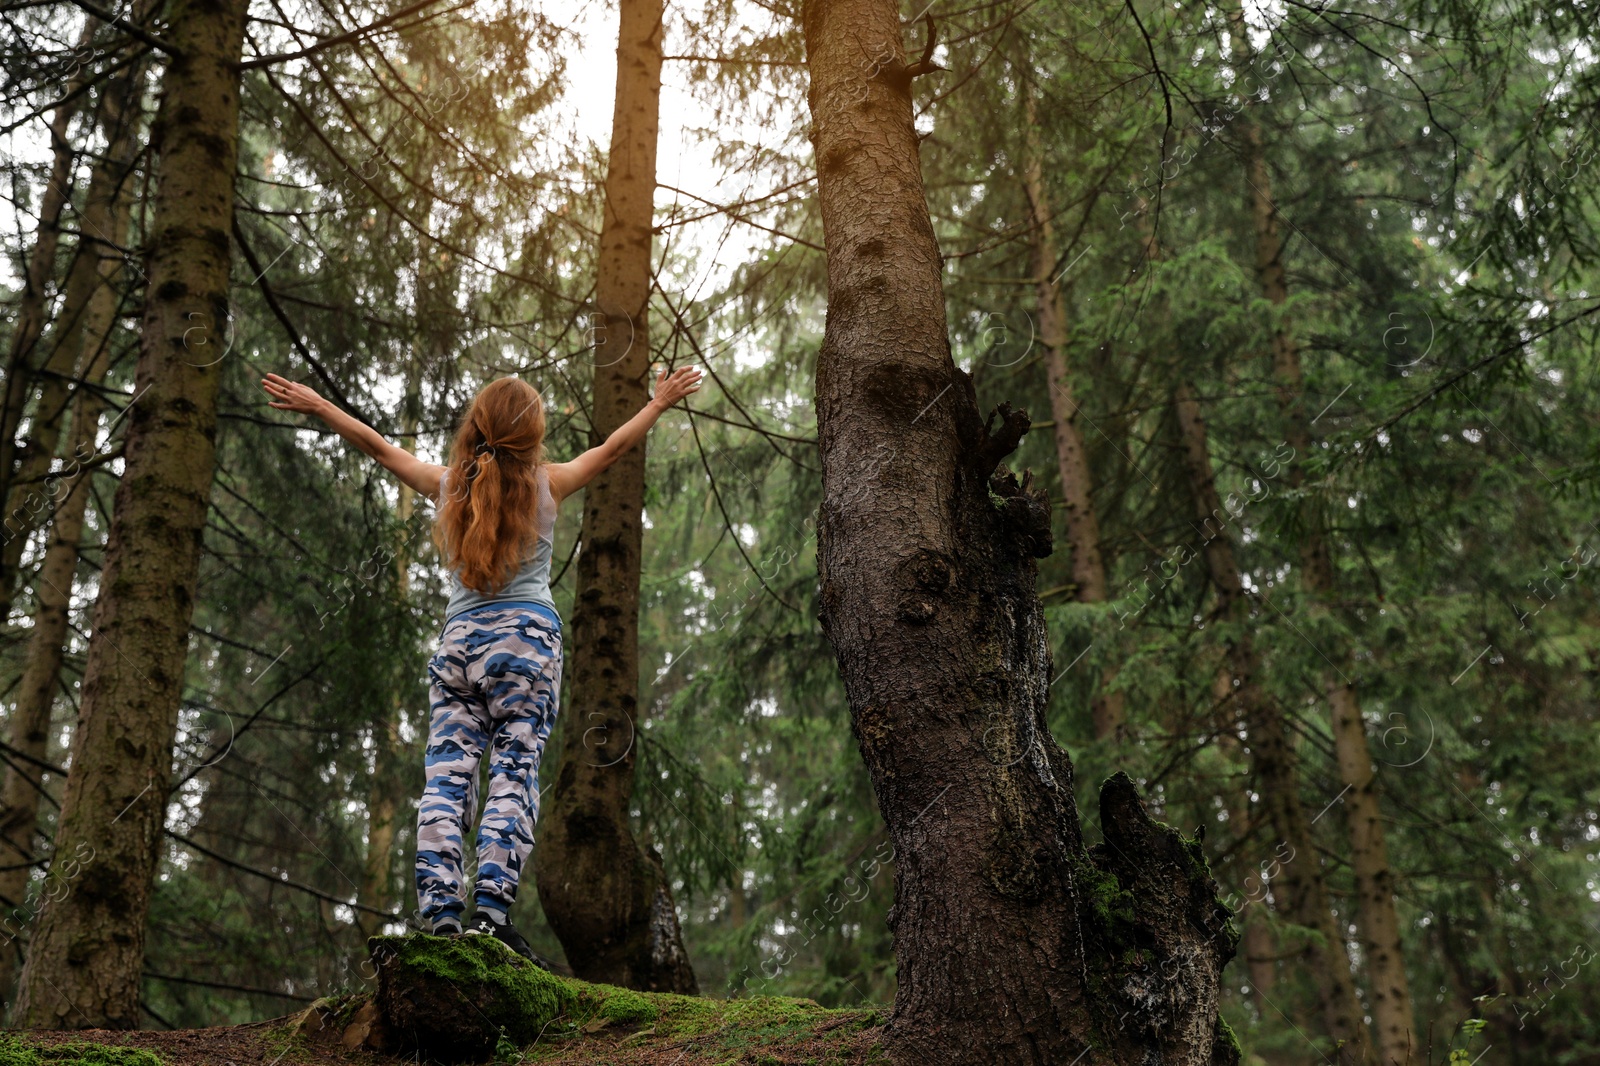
497, 676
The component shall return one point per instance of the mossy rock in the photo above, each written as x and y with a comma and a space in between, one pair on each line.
15, 1052
458, 998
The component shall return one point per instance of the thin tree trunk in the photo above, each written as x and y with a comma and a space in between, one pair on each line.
41, 675
27, 506
377, 870
1375, 898
1298, 883
383, 790
1109, 710
383, 799
87, 951
1259, 946
926, 558
606, 897
1369, 856
83, 346
1260, 949
41, 268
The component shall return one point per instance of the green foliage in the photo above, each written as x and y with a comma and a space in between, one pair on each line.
1433, 173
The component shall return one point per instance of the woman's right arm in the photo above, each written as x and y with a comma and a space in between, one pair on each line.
567, 478
292, 396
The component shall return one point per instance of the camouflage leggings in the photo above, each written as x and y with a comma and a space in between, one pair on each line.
497, 677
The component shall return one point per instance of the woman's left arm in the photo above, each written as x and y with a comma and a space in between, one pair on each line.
567, 478
293, 396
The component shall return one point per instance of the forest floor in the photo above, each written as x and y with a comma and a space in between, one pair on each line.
760, 1031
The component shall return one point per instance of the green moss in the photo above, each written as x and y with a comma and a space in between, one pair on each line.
1112, 903
1137, 959
773, 1010
537, 997
615, 1005
686, 1015
745, 1031
775, 1021
521, 999
554, 1014
1225, 1033
14, 1052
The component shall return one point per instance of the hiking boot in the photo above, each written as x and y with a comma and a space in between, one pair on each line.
507, 934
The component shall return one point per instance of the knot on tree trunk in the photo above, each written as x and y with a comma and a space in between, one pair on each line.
1166, 932
1024, 511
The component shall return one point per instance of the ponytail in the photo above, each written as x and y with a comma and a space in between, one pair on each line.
488, 518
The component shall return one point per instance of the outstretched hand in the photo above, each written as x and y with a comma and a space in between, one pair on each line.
670, 388
292, 396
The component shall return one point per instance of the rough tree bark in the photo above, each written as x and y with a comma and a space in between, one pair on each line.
84, 961
1109, 710
1376, 914
88, 347
1014, 942
1298, 882
605, 895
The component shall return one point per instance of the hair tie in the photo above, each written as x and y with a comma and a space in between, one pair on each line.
485, 449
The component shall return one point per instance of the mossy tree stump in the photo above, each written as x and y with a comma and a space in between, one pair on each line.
455, 998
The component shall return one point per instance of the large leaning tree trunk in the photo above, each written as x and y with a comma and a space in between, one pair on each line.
87, 952
1014, 942
606, 896
1298, 885
86, 347
1109, 710
1376, 913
